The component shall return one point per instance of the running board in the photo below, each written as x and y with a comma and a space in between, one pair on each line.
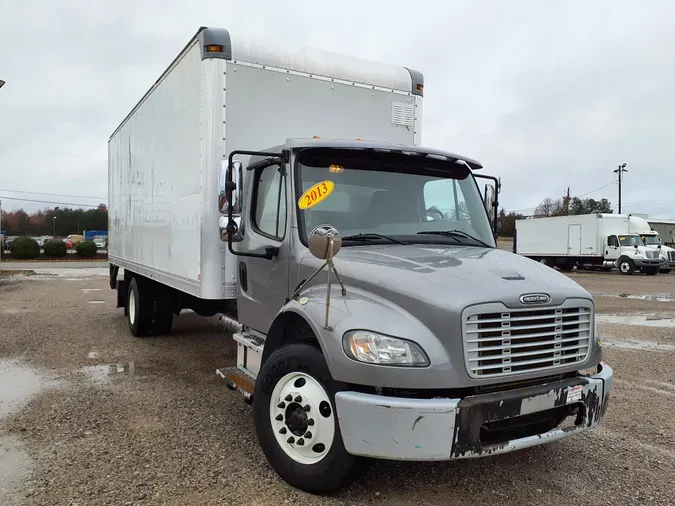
236, 379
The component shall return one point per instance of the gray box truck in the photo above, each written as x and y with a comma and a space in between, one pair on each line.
287, 191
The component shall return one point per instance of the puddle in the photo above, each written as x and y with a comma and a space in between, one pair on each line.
96, 301
15, 466
19, 383
633, 344
87, 290
654, 297
105, 373
649, 320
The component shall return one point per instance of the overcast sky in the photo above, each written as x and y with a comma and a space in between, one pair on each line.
545, 94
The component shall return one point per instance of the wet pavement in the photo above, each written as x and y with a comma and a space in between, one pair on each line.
90, 415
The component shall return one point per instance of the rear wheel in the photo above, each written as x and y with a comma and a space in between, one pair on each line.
139, 308
296, 422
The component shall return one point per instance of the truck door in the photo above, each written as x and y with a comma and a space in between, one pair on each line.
574, 240
612, 248
263, 284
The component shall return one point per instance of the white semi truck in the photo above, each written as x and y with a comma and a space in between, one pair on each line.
588, 240
652, 239
357, 272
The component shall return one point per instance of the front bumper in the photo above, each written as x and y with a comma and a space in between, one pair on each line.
648, 262
444, 429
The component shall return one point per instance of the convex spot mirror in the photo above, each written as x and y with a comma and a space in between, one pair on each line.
237, 178
320, 240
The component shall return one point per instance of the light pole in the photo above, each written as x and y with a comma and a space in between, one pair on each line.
54, 227
620, 171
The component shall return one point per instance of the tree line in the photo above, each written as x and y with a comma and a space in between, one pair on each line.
554, 207
59, 222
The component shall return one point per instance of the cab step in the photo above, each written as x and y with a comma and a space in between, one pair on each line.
250, 346
238, 379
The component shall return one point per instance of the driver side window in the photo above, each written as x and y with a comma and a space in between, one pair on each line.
269, 204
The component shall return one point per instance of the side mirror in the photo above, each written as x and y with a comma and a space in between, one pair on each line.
235, 194
489, 198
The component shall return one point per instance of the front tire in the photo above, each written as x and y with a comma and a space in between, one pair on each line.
626, 266
651, 271
296, 422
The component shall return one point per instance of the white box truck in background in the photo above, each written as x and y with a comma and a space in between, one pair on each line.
588, 240
224, 92
652, 239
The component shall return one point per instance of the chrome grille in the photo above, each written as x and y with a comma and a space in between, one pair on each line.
671, 255
500, 341
651, 254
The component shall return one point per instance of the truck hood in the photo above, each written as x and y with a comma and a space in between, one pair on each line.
446, 276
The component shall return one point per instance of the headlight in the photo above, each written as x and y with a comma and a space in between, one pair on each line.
373, 348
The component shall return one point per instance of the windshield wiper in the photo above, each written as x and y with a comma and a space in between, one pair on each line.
366, 237
454, 233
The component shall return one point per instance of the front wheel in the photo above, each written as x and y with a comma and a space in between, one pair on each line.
626, 266
296, 422
651, 271
665, 271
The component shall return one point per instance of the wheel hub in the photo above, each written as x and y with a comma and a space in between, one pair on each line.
296, 419
302, 418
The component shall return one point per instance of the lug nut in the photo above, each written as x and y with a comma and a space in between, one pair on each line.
281, 405
298, 399
291, 440
280, 418
308, 435
301, 442
306, 408
282, 430
310, 421
289, 398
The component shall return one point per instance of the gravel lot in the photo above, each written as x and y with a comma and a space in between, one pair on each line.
90, 415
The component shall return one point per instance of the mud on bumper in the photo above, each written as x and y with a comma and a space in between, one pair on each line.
444, 429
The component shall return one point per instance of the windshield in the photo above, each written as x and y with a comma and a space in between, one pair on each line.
399, 197
630, 240
651, 240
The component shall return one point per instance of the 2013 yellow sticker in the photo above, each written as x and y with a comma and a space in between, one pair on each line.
316, 194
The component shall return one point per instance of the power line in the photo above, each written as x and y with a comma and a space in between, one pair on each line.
49, 202
597, 189
53, 194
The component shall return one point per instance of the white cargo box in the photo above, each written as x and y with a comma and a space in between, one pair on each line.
560, 236
224, 93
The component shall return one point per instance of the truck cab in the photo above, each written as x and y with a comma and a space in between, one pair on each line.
629, 253
652, 241
376, 318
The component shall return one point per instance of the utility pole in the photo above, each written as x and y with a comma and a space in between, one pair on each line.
567, 205
620, 171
